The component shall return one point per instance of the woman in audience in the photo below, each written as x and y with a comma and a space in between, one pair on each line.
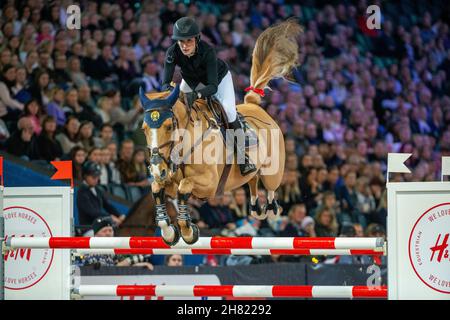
78, 156
55, 106
48, 148
10, 108
68, 138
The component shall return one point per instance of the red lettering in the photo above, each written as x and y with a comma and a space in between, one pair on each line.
440, 248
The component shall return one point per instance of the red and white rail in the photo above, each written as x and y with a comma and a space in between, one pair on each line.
282, 243
252, 252
237, 291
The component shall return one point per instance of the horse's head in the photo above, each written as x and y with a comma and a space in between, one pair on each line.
159, 125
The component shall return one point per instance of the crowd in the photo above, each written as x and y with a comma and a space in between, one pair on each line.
357, 95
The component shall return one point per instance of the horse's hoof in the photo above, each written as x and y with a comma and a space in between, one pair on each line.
195, 234
256, 212
176, 236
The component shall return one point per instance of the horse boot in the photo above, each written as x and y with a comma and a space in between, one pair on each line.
169, 232
189, 231
256, 212
247, 167
272, 209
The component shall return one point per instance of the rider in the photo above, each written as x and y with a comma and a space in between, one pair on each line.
203, 75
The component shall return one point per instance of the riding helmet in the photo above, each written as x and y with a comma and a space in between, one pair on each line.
185, 28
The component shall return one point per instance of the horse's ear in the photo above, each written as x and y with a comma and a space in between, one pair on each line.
172, 98
143, 98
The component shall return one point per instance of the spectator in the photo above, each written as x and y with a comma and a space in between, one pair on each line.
68, 138
33, 111
118, 115
95, 155
55, 106
60, 76
22, 142
294, 226
47, 147
85, 135
308, 227
106, 135
239, 204
125, 162
173, 260
216, 216
9, 107
326, 225
104, 107
78, 156
91, 201
39, 88
140, 168
77, 77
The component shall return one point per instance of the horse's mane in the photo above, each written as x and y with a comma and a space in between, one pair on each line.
274, 55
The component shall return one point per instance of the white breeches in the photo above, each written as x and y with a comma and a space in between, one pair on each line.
225, 94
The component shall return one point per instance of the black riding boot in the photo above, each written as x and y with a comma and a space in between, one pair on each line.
246, 167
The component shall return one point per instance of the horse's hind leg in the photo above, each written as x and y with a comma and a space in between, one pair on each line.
255, 208
272, 209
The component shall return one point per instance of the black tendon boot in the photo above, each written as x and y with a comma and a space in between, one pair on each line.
246, 167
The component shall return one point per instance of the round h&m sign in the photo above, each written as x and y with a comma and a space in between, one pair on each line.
25, 267
429, 248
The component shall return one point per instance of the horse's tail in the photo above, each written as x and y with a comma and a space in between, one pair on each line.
274, 55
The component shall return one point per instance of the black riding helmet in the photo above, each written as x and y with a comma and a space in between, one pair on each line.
185, 28
91, 168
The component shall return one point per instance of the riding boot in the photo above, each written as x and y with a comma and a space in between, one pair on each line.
246, 167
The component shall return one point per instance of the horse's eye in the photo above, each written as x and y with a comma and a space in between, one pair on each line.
169, 128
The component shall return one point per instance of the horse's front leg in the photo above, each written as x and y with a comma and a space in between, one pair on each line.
189, 231
169, 232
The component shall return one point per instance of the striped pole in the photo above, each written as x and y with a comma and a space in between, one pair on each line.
203, 243
250, 252
241, 291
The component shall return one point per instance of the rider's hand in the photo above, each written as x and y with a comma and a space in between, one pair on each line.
191, 97
166, 87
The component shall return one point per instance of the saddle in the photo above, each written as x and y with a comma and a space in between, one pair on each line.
220, 120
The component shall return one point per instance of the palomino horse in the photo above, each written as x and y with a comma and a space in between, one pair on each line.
169, 123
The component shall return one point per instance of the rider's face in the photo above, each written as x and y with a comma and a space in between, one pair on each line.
187, 46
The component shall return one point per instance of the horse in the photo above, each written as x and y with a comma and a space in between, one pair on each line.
167, 119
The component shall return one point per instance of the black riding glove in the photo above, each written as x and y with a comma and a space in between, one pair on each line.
191, 97
166, 87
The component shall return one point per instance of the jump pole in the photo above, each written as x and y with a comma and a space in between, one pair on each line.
238, 252
282, 243
241, 291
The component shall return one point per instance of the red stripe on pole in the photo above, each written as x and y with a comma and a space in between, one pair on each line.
314, 243
68, 242
133, 251
290, 251
211, 251
369, 292
213, 291
136, 290
235, 243
366, 252
148, 242
292, 291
